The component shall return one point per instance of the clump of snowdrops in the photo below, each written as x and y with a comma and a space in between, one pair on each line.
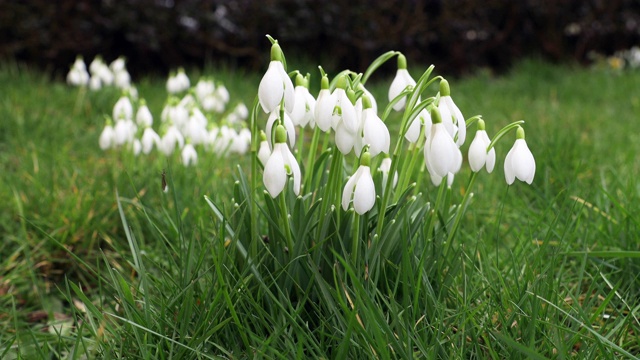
332, 194
195, 119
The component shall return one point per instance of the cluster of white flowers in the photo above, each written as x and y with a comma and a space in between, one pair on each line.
100, 74
186, 124
350, 112
354, 121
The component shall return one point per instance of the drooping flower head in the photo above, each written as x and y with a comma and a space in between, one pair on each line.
441, 154
280, 165
519, 163
400, 82
479, 157
325, 104
451, 116
276, 84
360, 188
373, 131
305, 103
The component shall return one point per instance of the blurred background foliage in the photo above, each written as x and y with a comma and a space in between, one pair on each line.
458, 36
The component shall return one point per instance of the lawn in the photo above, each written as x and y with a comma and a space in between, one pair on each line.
97, 261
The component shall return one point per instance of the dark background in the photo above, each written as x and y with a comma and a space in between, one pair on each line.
458, 36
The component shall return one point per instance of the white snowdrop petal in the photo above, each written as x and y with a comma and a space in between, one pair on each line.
364, 195
275, 177
399, 83
477, 153
271, 88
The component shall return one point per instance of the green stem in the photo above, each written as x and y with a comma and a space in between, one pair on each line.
312, 155
284, 214
356, 240
463, 206
253, 202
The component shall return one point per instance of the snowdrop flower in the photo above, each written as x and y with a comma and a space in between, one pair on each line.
344, 110
78, 75
519, 162
304, 104
384, 168
281, 164
422, 121
374, 104
125, 130
107, 136
95, 83
241, 142
239, 114
325, 104
279, 113
189, 155
122, 80
441, 154
478, 155
204, 88
451, 116
143, 115
265, 150
149, 139
222, 94
401, 81
170, 139
360, 188
276, 84
118, 65
183, 80
374, 131
123, 108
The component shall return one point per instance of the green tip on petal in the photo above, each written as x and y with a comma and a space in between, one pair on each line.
402, 62
480, 124
366, 102
263, 136
436, 118
444, 88
324, 83
281, 134
276, 52
520, 133
365, 159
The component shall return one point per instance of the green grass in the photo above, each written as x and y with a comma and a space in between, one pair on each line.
542, 271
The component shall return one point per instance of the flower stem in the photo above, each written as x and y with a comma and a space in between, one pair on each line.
284, 214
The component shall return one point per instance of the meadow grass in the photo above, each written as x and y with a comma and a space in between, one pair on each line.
97, 261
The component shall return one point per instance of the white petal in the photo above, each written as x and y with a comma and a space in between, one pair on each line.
264, 152
106, 137
376, 133
324, 109
289, 96
523, 163
295, 168
491, 160
439, 151
364, 196
347, 192
399, 83
271, 88
413, 133
275, 176
509, 174
344, 139
349, 114
477, 152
